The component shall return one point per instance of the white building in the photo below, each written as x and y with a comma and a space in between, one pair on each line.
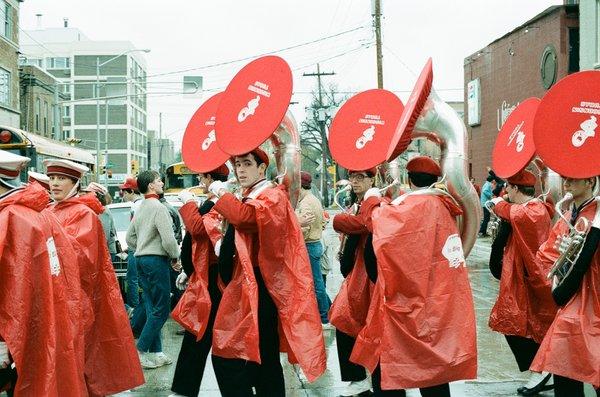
589, 30
72, 58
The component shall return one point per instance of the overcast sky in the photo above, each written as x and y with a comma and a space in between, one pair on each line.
186, 34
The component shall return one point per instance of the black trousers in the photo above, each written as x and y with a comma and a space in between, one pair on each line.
524, 350
442, 390
192, 356
484, 221
565, 387
236, 377
350, 372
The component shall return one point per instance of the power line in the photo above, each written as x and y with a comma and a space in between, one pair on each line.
257, 55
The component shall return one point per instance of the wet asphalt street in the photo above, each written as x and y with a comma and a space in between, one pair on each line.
498, 374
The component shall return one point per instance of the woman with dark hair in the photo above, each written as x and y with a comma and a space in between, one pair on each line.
111, 362
348, 312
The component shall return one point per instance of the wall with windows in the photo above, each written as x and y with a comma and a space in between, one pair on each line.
9, 69
38, 102
589, 23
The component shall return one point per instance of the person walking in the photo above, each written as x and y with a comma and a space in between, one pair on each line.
150, 235
312, 231
486, 195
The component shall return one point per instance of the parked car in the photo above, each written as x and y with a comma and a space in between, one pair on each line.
121, 213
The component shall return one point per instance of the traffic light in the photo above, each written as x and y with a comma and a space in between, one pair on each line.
103, 169
135, 167
109, 173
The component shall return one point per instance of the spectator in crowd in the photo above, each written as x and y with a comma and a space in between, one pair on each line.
150, 236
175, 292
309, 207
108, 223
326, 257
486, 195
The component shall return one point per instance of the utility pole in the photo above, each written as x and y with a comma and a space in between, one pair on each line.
321, 119
376, 13
160, 145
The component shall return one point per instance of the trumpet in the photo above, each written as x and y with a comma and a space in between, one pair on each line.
571, 244
494, 223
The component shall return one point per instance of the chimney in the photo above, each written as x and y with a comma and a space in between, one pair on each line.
66, 22
39, 20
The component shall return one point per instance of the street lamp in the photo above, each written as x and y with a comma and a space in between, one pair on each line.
98, 65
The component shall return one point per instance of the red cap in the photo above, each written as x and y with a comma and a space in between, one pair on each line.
130, 183
363, 127
258, 151
305, 178
565, 129
514, 146
522, 178
425, 165
222, 170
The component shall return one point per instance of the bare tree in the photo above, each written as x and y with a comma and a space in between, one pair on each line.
314, 136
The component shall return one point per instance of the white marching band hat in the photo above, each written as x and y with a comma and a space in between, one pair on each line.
11, 166
65, 167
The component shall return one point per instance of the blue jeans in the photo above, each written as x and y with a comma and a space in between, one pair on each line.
133, 297
154, 277
315, 251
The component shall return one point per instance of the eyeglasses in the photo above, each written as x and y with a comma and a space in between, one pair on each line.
357, 177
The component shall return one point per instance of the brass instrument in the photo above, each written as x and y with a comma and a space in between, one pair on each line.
494, 224
571, 244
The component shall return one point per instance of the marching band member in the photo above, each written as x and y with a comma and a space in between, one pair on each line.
349, 310
197, 308
40, 296
269, 287
569, 350
524, 309
111, 361
422, 297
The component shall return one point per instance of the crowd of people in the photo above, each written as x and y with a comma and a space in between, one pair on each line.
252, 268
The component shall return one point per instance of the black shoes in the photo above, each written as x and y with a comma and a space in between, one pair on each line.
540, 387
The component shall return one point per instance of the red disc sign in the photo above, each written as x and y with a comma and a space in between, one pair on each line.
514, 146
199, 149
414, 105
565, 130
253, 105
362, 129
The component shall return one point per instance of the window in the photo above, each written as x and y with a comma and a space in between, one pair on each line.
38, 110
58, 63
45, 118
66, 111
6, 22
30, 61
4, 87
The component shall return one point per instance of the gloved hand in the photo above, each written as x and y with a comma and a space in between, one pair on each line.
185, 196
216, 187
181, 282
372, 192
4, 358
218, 247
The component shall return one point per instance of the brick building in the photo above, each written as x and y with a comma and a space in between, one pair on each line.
9, 69
523, 63
38, 101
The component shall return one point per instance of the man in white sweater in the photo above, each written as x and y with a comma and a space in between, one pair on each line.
150, 236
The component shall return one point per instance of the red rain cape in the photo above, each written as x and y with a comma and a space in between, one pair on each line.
524, 306
40, 297
422, 298
571, 347
279, 248
348, 311
111, 359
193, 309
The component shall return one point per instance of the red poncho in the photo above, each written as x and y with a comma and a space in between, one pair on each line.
40, 297
571, 347
268, 236
524, 306
193, 309
111, 359
348, 311
421, 323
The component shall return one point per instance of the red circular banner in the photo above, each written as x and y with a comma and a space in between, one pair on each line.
363, 128
199, 149
412, 110
253, 105
565, 131
514, 146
